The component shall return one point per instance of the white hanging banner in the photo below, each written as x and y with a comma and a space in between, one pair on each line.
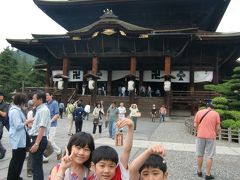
74, 75
203, 76
121, 74
103, 75
181, 76
153, 76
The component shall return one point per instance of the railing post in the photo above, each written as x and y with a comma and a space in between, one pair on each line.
229, 135
238, 136
220, 134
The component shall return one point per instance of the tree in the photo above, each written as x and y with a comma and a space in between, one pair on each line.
229, 89
16, 70
8, 68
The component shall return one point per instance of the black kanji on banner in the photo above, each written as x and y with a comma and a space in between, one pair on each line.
156, 74
76, 74
181, 75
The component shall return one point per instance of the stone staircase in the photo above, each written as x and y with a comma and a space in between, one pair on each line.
144, 103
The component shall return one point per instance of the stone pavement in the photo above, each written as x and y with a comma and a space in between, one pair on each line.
180, 149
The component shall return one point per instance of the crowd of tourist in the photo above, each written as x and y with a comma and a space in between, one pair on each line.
32, 126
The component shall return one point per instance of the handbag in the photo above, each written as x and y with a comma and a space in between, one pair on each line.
28, 140
96, 120
138, 114
49, 149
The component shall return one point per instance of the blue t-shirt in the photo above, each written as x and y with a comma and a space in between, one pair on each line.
54, 110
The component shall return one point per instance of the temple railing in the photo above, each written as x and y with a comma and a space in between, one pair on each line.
192, 96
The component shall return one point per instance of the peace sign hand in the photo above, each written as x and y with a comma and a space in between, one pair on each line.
66, 160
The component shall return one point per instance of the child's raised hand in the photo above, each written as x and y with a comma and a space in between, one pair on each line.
123, 122
157, 149
66, 160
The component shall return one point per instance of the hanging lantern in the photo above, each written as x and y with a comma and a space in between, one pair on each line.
167, 85
131, 85
60, 84
91, 84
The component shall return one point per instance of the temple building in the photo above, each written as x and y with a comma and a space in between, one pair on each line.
169, 48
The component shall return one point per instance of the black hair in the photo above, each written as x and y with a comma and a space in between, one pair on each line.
82, 139
1, 94
155, 161
209, 104
41, 95
105, 153
20, 99
50, 94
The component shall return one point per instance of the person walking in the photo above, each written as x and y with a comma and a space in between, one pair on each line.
54, 112
162, 112
87, 110
17, 136
98, 113
69, 112
78, 114
61, 109
122, 110
153, 112
134, 114
38, 133
207, 124
3, 122
112, 116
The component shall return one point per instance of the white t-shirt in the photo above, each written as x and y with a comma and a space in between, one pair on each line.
122, 112
87, 108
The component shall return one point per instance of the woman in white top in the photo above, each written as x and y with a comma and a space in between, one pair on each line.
98, 113
134, 114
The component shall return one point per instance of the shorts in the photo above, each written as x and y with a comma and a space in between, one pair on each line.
205, 145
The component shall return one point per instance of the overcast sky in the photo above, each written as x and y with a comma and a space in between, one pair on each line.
21, 18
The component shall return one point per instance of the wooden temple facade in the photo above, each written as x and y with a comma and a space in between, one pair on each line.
148, 42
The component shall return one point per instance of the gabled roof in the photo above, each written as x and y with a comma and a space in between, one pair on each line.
107, 21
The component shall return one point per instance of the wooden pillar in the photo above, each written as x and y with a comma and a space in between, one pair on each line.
216, 72
167, 65
194, 104
140, 80
94, 72
133, 67
47, 77
65, 88
109, 83
167, 69
94, 65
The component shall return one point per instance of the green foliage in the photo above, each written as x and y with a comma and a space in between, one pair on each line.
233, 114
220, 100
16, 71
223, 88
236, 70
227, 123
220, 106
236, 125
235, 104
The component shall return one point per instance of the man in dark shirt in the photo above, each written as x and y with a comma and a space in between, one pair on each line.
3, 122
78, 114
